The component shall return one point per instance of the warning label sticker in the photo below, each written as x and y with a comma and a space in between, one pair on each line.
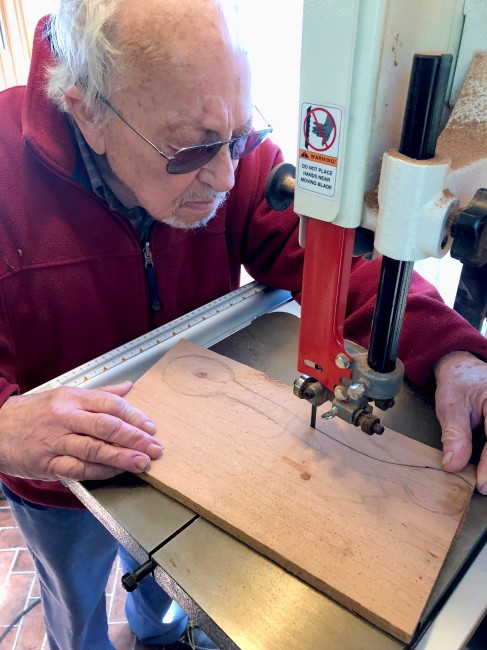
319, 145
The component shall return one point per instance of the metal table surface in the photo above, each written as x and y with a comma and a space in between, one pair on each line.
240, 598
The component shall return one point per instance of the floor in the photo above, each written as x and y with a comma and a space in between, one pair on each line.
19, 588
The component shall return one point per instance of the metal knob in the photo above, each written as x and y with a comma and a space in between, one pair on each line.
279, 189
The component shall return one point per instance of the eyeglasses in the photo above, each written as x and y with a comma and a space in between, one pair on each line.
189, 159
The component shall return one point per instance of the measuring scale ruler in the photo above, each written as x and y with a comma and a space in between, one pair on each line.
205, 326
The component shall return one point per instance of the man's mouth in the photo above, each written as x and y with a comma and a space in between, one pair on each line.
202, 205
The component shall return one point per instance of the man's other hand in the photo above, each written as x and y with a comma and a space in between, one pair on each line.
461, 405
75, 433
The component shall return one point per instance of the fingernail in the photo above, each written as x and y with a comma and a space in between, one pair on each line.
141, 463
154, 451
447, 458
150, 427
483, 488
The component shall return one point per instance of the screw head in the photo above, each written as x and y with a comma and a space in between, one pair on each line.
342, 361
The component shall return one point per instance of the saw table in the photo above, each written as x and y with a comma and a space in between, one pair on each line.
240, 598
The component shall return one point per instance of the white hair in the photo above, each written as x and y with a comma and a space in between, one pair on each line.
82, 40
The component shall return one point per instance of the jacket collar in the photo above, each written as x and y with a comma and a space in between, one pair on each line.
45, 129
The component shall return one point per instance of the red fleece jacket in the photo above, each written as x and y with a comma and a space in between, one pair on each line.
72, 277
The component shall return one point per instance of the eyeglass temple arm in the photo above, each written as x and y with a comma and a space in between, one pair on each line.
161, 153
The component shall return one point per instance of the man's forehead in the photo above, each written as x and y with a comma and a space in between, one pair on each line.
198, 81
170, 28
184, 122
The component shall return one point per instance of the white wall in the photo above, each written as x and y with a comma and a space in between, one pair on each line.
272, 31
36, 9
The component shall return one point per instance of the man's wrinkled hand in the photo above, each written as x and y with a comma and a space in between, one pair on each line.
75, 433
461, 405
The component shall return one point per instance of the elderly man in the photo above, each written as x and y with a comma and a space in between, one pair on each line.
133, 170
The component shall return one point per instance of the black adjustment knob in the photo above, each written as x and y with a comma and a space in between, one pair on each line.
368, 422
131, 580
279, 189
469, 232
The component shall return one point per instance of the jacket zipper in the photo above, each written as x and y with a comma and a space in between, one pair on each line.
156, 303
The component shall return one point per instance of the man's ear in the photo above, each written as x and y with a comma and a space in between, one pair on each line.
84, 119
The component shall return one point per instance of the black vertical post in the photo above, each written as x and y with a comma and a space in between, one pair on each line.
426, 94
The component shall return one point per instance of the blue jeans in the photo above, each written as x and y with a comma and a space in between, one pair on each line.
73, 554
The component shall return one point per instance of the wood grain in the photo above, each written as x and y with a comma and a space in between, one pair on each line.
366, 520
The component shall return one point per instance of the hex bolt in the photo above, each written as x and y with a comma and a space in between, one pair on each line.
342, 361
341, 393
357, 390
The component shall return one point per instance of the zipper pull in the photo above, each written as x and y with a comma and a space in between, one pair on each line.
156, 304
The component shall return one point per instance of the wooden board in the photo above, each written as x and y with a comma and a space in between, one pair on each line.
366, 520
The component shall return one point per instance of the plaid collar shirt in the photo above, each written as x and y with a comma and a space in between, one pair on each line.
140, 219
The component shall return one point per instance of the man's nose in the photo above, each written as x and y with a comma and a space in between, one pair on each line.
219, 173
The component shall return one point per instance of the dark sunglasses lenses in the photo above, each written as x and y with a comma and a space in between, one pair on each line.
193, 158
189, 160
247, 143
